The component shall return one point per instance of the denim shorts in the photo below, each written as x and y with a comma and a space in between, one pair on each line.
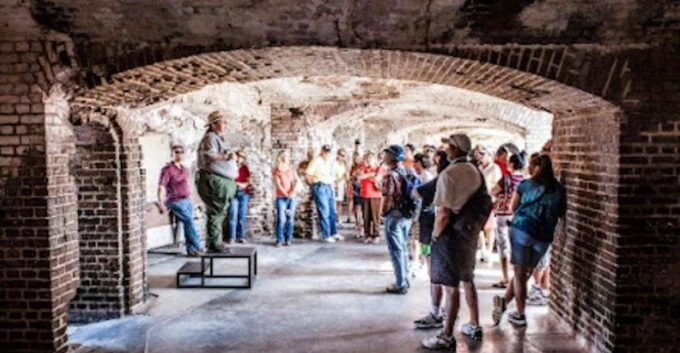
526, 250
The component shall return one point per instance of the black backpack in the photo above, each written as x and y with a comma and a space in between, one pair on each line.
405, 203
476, 210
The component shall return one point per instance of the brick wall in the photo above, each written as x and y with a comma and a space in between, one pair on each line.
97, 170
585, 153
648, 285
38, 240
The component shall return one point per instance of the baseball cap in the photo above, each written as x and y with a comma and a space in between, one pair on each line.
460, 141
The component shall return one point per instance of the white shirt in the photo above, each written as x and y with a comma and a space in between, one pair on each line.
456, 184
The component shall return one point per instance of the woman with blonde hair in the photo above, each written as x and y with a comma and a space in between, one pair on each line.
285, 181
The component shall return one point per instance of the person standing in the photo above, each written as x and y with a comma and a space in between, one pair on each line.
286, 182
174, 179
238, 207
538, 203
354, 190
319, 174
503, 212
371, 197
462, 206
397, 223
421, 166
492, 175
216, 174
340, 181
426, 192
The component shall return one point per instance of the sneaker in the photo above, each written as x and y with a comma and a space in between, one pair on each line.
500, 285
278, 245
230, 241
338, 237
329, 240
537, 298
499, 307
376, 240
429, 322
474, 332
241, 241
517, 319
287, 243
440, 342
392, 289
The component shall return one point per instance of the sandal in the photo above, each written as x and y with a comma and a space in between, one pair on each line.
500, 285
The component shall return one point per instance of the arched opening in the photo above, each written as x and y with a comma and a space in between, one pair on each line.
260, 82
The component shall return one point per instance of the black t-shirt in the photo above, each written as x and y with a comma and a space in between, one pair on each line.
427, 191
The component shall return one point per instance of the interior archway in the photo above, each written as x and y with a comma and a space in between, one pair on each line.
583, 157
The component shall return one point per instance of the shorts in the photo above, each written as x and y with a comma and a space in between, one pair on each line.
453, 257
426, 222
501, 236
526, 250
340, 191
545, 260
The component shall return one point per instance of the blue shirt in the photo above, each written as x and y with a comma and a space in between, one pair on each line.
539, 209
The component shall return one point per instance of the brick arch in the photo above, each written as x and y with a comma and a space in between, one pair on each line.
586, 134
110, 189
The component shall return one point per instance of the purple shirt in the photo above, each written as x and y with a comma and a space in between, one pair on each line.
175, 181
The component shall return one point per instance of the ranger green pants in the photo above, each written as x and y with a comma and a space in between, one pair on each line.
216, 193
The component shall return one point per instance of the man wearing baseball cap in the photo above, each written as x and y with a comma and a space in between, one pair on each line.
397, 225
216, 174
454, 239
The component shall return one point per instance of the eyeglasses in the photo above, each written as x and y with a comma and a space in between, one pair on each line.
179, 152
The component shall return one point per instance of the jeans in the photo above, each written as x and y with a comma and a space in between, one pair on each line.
285, 218
396, 235
325, 207
238, 209
216, 192
184, 212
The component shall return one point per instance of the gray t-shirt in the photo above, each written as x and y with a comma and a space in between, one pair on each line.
213, 145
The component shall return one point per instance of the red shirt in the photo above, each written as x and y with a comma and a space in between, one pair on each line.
175, 181
243, 177
368, 189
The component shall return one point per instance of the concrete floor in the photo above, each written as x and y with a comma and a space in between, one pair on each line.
310, 297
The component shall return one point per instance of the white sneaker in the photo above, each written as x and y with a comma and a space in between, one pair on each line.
440, 342
338, 237
329, 240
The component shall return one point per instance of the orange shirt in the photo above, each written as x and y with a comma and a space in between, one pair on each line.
286, 178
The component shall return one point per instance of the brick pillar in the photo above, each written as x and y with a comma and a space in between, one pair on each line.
96, 165
133, 228
38, 246
289, 134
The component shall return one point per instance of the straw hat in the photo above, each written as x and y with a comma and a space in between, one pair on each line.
214, 117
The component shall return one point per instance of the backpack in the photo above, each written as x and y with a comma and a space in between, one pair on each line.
405, 203
476, 210
539, 217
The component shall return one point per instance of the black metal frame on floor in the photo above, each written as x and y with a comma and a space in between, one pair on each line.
188, 269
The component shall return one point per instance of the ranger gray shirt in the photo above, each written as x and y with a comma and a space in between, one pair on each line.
213, 145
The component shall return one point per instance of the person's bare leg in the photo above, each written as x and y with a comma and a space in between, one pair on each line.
472, 302
545, 280
436, 294
510, 291
504, 269
521, 277
452, 304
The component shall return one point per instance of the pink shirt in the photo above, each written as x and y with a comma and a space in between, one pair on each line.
175, 180
286, 178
